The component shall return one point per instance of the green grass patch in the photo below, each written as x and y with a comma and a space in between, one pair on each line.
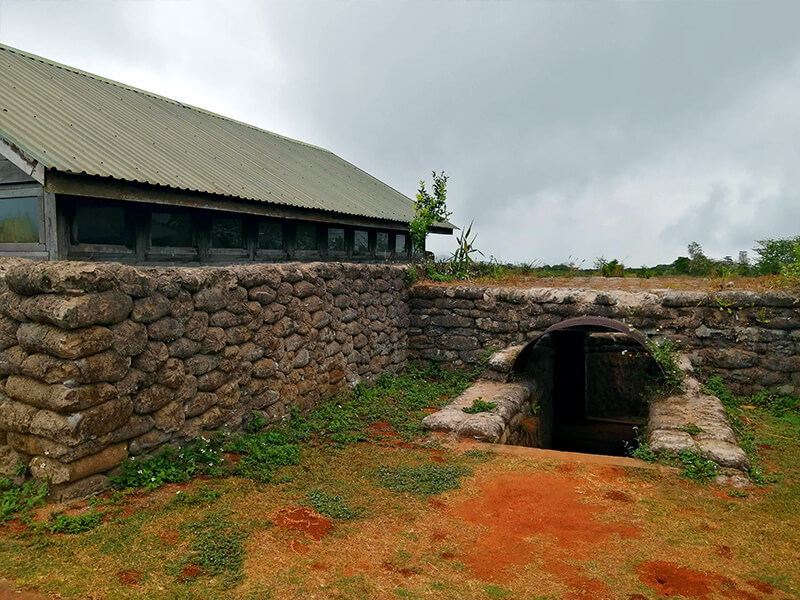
395, 399
332, 506
201, 496
74, 524
479, 406
217, 546
425, 480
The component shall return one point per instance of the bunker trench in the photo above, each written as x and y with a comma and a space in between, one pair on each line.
590, 387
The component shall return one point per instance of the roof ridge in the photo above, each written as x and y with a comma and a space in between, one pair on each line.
136, 90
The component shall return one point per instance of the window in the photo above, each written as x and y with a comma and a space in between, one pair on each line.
173, 229
360, 243
306, 238
227, 232
95, 224
19, 220
270, 235
399, 243
335, 240
382, 243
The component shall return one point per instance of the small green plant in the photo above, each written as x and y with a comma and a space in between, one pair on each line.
19, 499
434, 272
425, 480
255, 423
696, 466
201, 496
170, 466
74, 525
737, 494
666, 355
333, 506
691, 429
411, 275
640, 448
495, 592
479, 406
217, 547
479, 455
263, 453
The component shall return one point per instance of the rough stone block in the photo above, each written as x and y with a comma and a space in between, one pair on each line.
47, 339
36, 445
58, 397
78, 490
74, 312
152, 398
77, 428
130, 338
169, 418
150, 309
45, 467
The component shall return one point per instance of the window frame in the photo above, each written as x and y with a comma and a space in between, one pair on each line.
180, 252
25, 190
243, 252
272, 253
108, 251
308, 254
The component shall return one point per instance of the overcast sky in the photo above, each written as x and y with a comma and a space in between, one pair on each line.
568, 129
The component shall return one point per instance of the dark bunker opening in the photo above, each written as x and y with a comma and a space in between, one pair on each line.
592, 377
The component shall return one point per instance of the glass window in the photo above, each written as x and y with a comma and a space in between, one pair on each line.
360, 243
19, 220
335, 240
399, 243
306, 238
226, 232
270, 235
95, 224
382, 242
171, 229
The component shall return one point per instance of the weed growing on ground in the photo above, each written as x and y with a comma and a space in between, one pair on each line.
170, 466
217, 547
332, 506
479, 455
426, 480
495, 592
19, 499
396, 399
479, 406
263, 453
201, 496
695, 466
640, 448
74, 525
255, 423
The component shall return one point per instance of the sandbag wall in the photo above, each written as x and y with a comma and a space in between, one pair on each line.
100, 361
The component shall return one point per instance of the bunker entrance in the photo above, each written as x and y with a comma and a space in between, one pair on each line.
591, 387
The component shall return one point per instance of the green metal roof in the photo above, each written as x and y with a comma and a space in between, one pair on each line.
76, 122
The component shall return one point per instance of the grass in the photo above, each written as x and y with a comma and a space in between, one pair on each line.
19, 499
399, 523
332, 506
421, 479
74, 524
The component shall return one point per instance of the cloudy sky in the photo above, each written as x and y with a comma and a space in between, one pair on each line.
569, 130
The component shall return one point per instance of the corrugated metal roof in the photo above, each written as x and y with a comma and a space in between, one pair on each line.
75, 122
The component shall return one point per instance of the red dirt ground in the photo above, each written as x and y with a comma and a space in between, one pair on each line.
191, 572
671, 580
129, 577
514, 507
305, 520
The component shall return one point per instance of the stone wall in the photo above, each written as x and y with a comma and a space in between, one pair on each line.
100, 361
753, 338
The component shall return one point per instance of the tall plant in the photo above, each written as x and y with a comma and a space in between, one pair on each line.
429, 209
461, 258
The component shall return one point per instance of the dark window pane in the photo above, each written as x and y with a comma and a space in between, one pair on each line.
306, 237
270, 235
360, 243
399, 243
226, 232
335, 240
382, 242
100, 225
171, 229
19, 220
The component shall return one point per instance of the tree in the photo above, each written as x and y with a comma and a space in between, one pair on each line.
773, 254
429, 209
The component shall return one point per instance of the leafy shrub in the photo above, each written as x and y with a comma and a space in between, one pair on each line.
478, 406
15, 499
423, 479
774, 254
666, 355
170, 466
74, 525
696, 466
332, 506
255, 423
